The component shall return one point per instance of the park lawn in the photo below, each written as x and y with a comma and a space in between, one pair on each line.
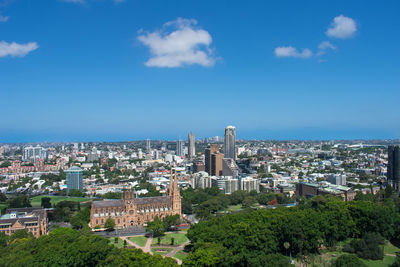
138, 240
161, 251
36, 201
387, 261
390, 249
235, 207
166, 240
120, 243
180, 255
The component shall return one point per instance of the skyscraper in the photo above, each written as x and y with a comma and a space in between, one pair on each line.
229, 142
393, 169
211, 149
179, 148
192, 148
148, 146
74, 179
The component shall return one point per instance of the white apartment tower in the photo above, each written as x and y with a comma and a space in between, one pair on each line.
192, 148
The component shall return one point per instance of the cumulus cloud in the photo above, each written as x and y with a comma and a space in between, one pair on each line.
4, 18
177, 44
324, 47
16, 50
290, 51
342, 27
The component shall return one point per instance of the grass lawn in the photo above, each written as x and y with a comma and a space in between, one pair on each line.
36, 201
161, 251
166, 240
387, 261
234, 207
180, 255
390, 249
138, 240
120, 243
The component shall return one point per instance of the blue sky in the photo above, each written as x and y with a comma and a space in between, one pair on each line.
88, 70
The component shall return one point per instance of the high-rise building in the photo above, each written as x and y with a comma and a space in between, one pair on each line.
249, 184
148, 146
211, 149
179, 148
337, 179
34, 153
229, 168
192, 148
201, 180
216, 163
230, 142
74, 178
393, 169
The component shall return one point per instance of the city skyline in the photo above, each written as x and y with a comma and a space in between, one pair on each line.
319, 70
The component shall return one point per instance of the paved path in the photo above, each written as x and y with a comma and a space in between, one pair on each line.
175, 250
147, 247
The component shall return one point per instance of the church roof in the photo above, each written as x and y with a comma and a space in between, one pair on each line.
152, 200
108, 203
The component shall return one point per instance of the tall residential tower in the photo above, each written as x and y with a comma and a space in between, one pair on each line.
192, 148
229, 142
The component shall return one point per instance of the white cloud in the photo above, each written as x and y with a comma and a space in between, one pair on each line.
342, 27
4, 18
290, 51
74, 1
184, 45
324, 46
16, 50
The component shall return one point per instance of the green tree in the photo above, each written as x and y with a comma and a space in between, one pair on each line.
109, 224
45, 202
19, 202
348, 260
75, 193
156, 227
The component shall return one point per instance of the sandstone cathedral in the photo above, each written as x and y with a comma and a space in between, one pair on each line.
130, 211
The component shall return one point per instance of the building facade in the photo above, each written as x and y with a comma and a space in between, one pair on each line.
211, 149
393, 168
249, 184
337, 179
192, 147
179, 148
130, 211
33, 220
74, 179
230, 142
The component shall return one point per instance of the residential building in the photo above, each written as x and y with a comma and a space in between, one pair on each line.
192, 147
74, 178
227, 184
249, 184
201, 180
33, 153
337, 179
229, 167
211, 149
179, 148
216, 163
230, 142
